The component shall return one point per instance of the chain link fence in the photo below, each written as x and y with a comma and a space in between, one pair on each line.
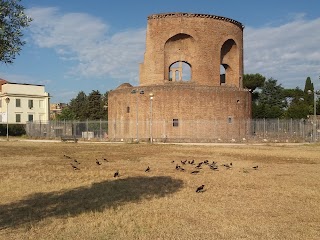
253, 130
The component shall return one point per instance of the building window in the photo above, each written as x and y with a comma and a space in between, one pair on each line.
128, 109
30, 104
41, 104
18, 117
18, 102
30, 117
175, 122
229, 119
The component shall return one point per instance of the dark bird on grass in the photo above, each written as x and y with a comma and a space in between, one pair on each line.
230, 164
215, 168
181, 169
105, 160
183, 162
191, 162
148, 169
227, 166
200, 189
75, 160
66, 156
177, 167
172, 161
116, 174
206, 162
74, 167
255, 167
212, 165
97, 162
199, 165
195, 172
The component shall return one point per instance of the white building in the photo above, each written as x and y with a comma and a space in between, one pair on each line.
20, 103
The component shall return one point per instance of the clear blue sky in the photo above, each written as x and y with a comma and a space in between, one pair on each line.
82, 45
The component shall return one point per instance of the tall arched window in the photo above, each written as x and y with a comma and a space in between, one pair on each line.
229, 61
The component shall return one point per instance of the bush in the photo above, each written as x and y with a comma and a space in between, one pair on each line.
14, 129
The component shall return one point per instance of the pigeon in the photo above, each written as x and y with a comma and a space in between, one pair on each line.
227, 166
200, 189
74, 167
199, 165
255, 167
105, 160
177, 167
66, 156
195, 172
191, 162
97, 162
75, 160
215, 168
116, 174
148, 169
183, 162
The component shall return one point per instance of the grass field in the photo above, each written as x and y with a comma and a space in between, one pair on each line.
43, 197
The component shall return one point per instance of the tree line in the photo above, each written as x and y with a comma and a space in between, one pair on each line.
271, 100
93, 107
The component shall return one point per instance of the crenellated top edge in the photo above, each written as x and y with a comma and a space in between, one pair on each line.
193, 15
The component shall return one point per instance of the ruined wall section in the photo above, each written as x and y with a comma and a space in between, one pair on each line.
196, 39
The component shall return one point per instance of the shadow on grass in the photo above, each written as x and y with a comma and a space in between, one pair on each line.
97, 197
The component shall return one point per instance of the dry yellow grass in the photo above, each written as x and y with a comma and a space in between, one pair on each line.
42, 197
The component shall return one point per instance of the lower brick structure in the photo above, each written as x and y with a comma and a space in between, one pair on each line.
178, 112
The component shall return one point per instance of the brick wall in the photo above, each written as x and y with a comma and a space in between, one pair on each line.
205, 42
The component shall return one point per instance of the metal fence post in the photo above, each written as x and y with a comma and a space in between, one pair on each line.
100, 130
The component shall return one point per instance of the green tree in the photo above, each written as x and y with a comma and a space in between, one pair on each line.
79, 106
95, 106
105, 104
298, 110
66, 114
271, 102
308, 87
253, 81
12, 21
298, 107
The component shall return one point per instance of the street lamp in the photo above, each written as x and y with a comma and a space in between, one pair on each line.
137, 92
315, 93
151, 99
7, 102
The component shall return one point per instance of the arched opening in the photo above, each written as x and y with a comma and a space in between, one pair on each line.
180, 71
178, 53
229, 60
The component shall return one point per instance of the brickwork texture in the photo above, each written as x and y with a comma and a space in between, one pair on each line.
162, 107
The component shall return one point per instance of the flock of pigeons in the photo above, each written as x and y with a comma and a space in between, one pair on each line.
179, 167
75, 165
